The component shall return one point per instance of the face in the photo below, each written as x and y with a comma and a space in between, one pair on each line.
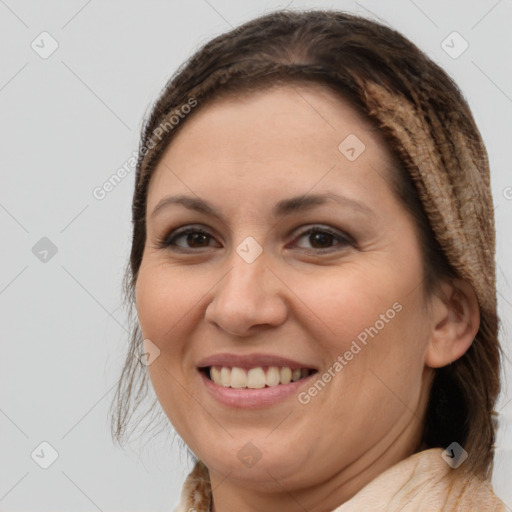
243, 283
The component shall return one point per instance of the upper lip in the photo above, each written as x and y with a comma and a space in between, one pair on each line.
251, 361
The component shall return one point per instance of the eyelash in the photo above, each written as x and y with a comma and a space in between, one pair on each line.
169, 241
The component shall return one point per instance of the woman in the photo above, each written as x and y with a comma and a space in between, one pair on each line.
313, 270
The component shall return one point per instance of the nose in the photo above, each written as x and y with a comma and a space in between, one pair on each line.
249, 298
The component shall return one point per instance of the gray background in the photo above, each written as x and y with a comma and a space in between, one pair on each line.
68, 122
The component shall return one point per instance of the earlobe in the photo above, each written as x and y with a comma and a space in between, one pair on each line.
454, 323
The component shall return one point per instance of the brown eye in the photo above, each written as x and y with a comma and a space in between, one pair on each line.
323, 239
188, 238
197, 239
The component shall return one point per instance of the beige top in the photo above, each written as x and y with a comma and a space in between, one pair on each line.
421, 483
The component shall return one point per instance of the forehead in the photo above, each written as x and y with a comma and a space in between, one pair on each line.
272, 117
286, 138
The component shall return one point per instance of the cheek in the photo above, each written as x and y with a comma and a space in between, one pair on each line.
163, 296
372, 317
348, 300
165, 300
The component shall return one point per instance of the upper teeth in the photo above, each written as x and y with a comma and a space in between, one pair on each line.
255, 378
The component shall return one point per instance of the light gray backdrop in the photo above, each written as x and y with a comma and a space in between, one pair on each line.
71, 116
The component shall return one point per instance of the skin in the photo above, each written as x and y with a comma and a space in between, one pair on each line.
295, 300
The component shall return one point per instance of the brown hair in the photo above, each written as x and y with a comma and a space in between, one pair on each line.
428, 127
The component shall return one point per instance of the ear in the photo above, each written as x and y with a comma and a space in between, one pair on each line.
455, 321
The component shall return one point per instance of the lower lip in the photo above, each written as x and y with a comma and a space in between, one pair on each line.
244, 398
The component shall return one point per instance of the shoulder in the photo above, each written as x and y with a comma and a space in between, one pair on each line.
196, 491
424, 482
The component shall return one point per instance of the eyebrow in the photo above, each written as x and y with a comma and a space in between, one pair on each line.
282, 208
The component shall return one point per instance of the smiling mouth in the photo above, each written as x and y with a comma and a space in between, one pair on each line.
254, 378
